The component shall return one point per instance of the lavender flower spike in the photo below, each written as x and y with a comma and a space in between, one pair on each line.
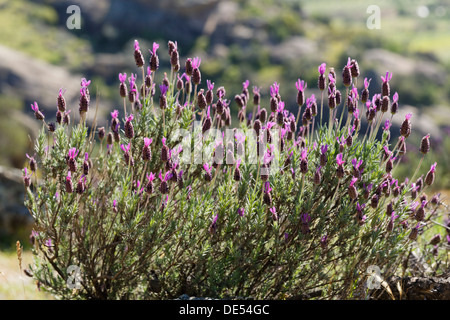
196, 62
339, 160
301, 85
163, 89
37, 113
322, 68
273, 210
388, 77
213, 226
267, 187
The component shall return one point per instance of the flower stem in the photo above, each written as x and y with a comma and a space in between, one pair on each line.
321, 110
418, 167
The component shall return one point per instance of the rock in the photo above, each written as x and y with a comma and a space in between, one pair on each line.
405, 66
35, 80
293, 48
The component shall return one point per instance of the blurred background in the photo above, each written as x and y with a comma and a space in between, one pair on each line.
259, 40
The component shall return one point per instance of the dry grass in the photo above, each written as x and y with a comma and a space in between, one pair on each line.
13, 285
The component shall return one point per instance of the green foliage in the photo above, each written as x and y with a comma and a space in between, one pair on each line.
134, 239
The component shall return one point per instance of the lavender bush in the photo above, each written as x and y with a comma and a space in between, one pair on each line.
166, 198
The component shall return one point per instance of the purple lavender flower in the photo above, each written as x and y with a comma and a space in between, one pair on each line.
163, 187
69, 184
357, 170
129, 130
323, 155
37, 113
267, 188
340, 166
213, 226
48, 243
321, 81
352, 192
356, 120
61, 101
385, 86
360, 208
81, 185
365, 92
425, 144
196, 62
303, 161
387, 125
360, 217
256, 96
26, 178
149, 187
241, 212
414, 232
146, 152
317, 176
339, 160
114, 206
312, 104
122, 77
324, 241
32, 162
165, 151
237, 173
162, 97
346, 73
274, 96
210, 85
305, 219
196, 75
154, 60
208, 174
394, 105
136, 187
71, 161
405, 129
164, 202
139, 59
132, 81
126, 154
267, 197
122, 86
273, 210
86, 164
85, 83
390, 226
34, 234
429, 178
349, 139
274, 89
301, 86
209, 93
84, 96
280, 113
322, 68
